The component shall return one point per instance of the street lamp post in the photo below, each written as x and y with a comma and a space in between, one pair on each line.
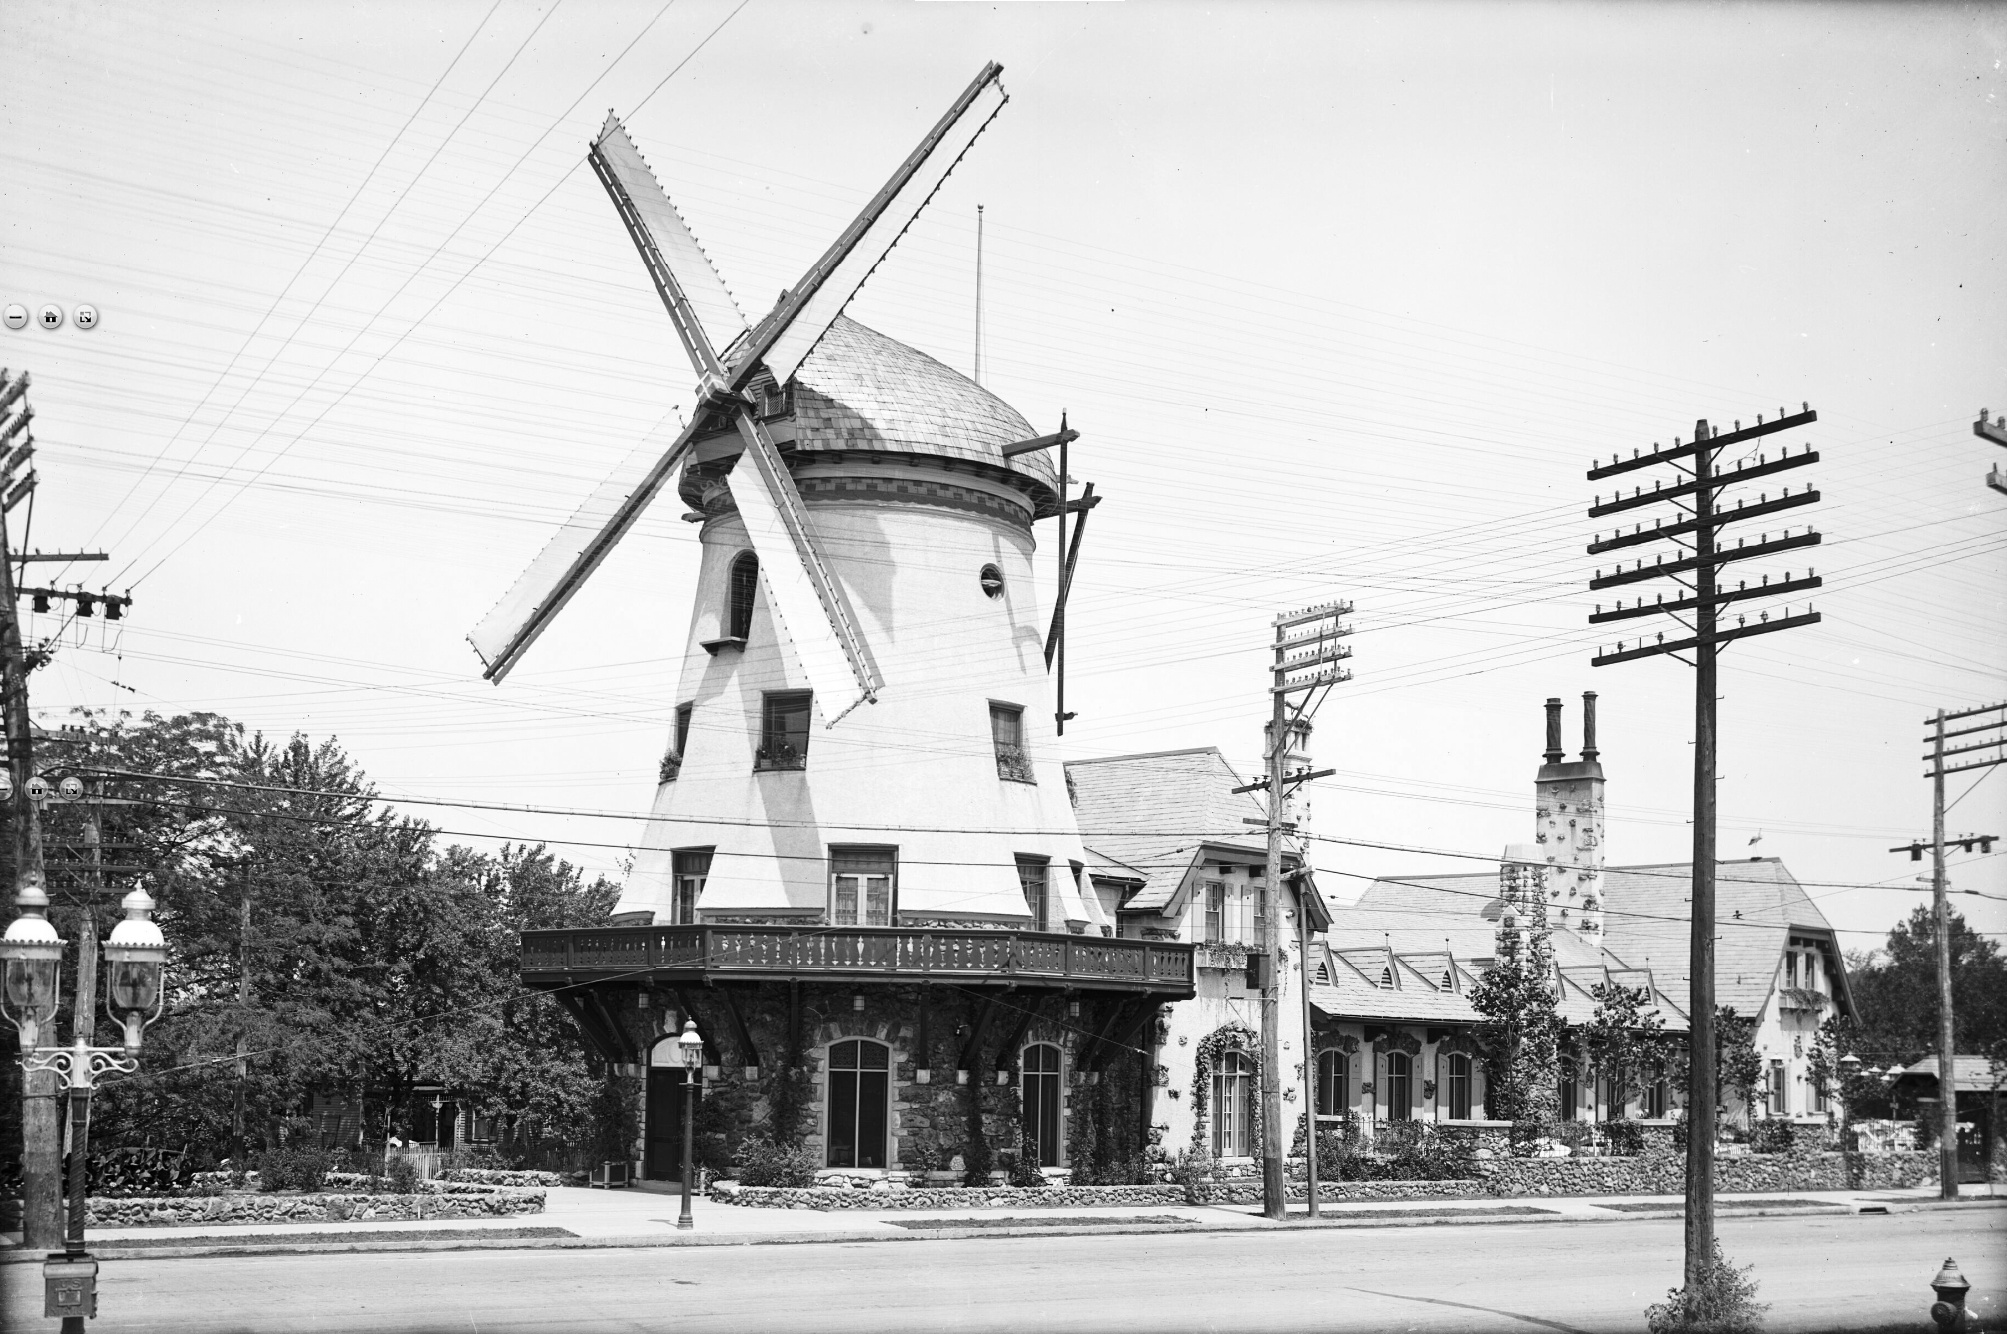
31, 957
692, 1047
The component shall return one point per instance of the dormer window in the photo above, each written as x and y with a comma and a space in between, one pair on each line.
1449, 982
1387, 978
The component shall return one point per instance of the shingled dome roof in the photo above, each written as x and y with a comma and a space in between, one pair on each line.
862, 390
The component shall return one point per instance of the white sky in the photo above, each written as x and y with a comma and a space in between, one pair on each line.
1343, 298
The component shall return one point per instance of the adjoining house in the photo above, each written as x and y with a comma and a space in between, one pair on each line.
1402, 958
1178, 855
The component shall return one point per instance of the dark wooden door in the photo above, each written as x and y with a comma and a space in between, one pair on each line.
663, 1159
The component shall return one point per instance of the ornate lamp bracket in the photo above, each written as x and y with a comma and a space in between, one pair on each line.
80, 1068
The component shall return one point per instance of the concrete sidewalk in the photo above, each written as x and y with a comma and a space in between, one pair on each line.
578, 1217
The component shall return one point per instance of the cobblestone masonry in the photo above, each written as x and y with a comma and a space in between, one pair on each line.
1068, 1197
181, 1211
1657, 1173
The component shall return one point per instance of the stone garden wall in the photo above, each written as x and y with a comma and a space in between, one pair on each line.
1243, 1191
1664, 1173
329, 1207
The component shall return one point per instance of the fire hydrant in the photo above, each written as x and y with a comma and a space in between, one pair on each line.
1949, 1309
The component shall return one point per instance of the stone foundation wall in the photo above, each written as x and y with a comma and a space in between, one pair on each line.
1070, 1197
183, 1211
1665, 1173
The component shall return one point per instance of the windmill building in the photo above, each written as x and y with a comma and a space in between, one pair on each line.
862, 878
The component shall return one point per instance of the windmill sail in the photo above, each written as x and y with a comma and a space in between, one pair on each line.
626, 176
792, 330
803, 595
541, 591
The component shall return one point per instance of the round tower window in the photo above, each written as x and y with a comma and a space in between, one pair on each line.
993, 582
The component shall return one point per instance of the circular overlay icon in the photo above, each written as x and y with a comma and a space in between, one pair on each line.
50, 316
17, 315
38, 788
71, 787
86, 317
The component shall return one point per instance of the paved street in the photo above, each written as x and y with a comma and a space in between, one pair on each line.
1824, 1273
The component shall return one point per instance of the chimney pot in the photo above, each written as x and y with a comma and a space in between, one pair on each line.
1589, 751
1554, 751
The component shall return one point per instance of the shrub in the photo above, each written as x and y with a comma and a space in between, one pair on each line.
304, 1168
1023, 1169
1422, 1153
1772, 1135
403, 1176
1195, 1170
921, 1159
1721, 1301
129, 1173
1625, 1138
762, 1162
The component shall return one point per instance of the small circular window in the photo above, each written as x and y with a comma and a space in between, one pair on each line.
993, 583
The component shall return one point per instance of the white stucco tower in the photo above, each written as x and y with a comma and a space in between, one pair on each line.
943, 802
1569, 827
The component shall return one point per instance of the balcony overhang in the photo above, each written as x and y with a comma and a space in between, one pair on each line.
645, 955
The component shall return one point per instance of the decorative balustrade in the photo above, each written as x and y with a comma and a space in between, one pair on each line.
606, 953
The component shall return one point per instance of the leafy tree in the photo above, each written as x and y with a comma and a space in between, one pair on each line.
334, 941
1521, 1031
1895, 990
1625, 1038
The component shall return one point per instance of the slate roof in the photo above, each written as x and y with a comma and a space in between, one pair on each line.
1645, 923
862, 390
1153, 812
1756, 902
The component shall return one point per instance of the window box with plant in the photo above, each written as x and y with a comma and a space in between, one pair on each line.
1007, 735
783, 731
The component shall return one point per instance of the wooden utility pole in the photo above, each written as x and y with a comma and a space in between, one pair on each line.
1697, 559
1702, 1110
1962, 757
41, 1115
41, 1111
1947, 1040
1304, 661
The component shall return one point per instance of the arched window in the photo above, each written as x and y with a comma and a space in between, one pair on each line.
1232, 1106
1040, 1066
1400, 1086
745, 587
860, 1091
1387, 976
1331, 1091
1456, 1075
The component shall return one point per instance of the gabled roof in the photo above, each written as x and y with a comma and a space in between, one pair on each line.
1646, 923
1156, 812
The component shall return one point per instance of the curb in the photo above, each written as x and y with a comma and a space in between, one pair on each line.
223, 1248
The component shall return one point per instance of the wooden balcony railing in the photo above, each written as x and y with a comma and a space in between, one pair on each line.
812, 952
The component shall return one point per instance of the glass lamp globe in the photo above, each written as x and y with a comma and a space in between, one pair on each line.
32, 958
692, 1046
135, 955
